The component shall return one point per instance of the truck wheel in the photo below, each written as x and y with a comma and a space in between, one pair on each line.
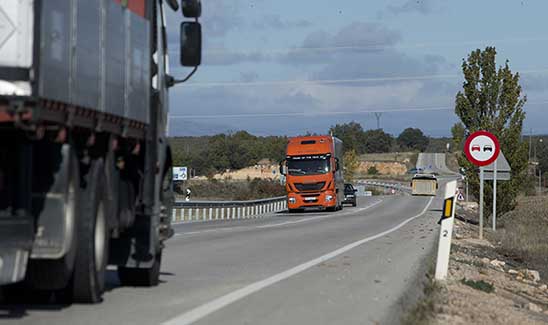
136, 277
93, 238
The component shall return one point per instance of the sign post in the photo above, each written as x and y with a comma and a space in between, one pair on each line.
482, 148
481, 204
499, 170
494, 221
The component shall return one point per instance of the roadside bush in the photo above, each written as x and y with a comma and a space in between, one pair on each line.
524, 231
372, 171
214, 189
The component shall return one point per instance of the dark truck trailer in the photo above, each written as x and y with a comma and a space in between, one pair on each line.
85, 169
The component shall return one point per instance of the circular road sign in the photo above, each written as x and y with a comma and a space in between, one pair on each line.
482, 148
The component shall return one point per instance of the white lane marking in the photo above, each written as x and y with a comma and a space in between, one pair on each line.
206, 309
278, 224
320, 217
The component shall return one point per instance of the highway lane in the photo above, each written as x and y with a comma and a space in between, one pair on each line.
433, 162
206, 262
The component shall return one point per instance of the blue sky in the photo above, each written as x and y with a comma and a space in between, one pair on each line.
262, 60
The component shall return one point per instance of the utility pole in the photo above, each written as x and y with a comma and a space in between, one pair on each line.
530, 136
378, 116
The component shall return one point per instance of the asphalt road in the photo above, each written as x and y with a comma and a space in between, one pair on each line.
356, 266
433, 162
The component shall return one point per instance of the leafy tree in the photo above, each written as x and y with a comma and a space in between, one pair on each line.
377, 141
413, 139
352, 136
491, 100
351, 164
459, 133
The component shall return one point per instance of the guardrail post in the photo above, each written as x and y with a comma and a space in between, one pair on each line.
216, 213
222, 213
190, 214
239, 212
210, 213
233, 212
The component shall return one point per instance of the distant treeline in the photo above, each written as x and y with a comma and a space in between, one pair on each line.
208, 155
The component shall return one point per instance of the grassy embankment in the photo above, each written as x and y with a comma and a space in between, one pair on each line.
524, 233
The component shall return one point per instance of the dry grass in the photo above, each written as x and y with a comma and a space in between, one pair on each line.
408, 158
524, 235
424, 309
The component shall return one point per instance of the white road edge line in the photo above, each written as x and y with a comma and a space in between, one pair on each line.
206, 309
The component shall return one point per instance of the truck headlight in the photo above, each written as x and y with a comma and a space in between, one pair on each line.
328, 198
292, 200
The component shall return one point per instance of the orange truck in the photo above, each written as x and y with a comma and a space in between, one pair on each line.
314, 177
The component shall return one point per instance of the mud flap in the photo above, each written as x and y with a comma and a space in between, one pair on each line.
55, 227
16, 234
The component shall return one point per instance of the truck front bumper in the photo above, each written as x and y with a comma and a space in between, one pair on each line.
325, 199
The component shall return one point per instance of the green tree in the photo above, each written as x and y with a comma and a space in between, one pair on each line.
377, 141
413, 139
352, 136
459, 134
351, 164
372, 171
491, 100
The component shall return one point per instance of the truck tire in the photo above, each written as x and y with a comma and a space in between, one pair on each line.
93, 238
136, 277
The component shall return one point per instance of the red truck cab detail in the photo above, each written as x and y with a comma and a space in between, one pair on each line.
313, 169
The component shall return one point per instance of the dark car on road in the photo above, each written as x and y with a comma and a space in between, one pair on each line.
350, 195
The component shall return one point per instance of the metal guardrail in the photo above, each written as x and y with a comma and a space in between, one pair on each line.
186, 211
397, 186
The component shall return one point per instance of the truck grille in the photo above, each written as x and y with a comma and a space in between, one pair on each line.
309, 187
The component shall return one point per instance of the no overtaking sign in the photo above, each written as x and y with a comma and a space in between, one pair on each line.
482, 148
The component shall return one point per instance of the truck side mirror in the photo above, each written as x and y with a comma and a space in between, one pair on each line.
191, 44
191, 8
337, 165
282, 168
173, 4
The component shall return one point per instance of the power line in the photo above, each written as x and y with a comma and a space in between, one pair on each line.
340, 81
297, 114
291, 50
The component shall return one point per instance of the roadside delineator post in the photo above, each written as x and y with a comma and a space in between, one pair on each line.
446, 230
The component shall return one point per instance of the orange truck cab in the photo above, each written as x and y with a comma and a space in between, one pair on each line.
313, 170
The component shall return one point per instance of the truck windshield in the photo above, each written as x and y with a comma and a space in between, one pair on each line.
308, 166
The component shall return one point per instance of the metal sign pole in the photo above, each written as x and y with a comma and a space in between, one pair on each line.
495, 196
481, 204
467, 190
